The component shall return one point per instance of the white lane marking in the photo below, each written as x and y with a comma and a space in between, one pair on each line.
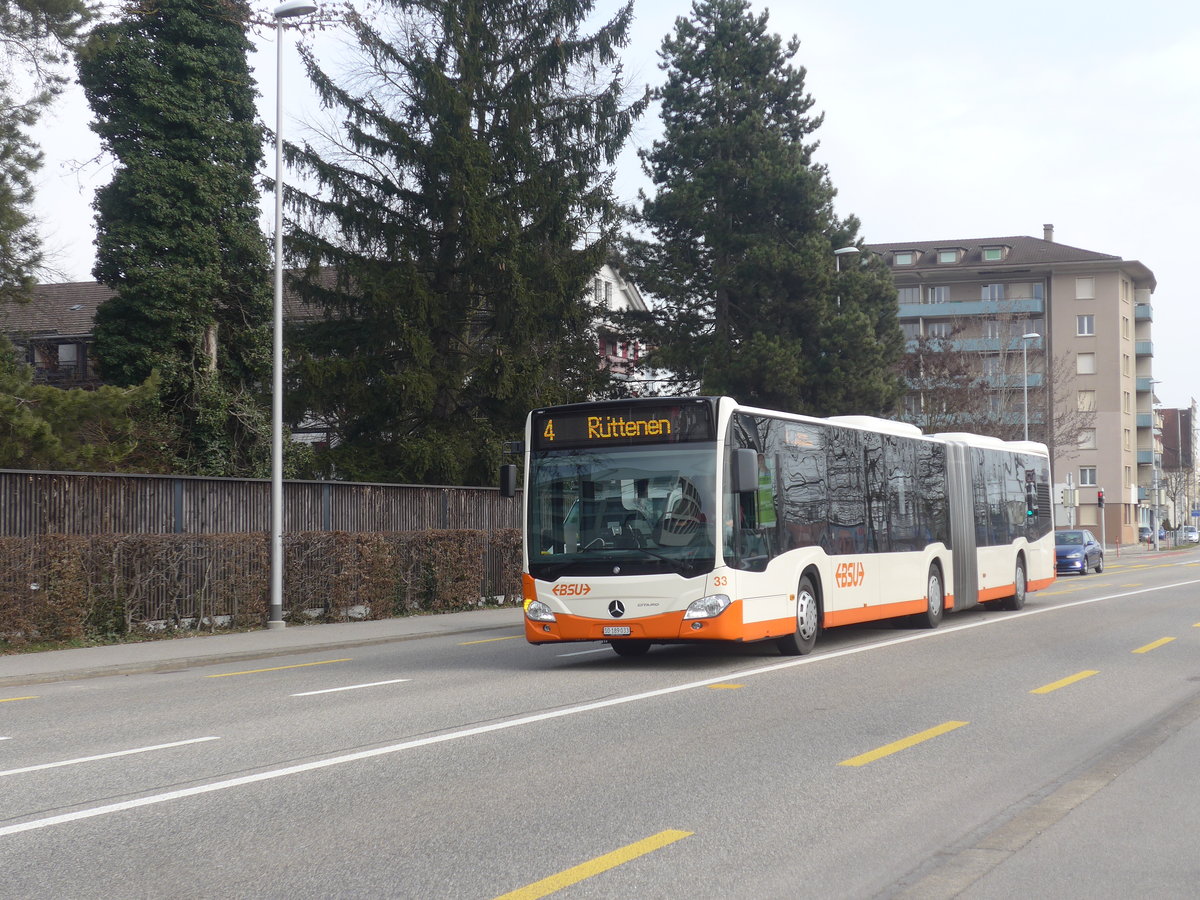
351, 687
154, 799
84, 759
582, 652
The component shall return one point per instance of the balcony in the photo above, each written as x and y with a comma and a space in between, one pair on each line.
1144, 348
981, 345
1143, 312
960, 308
1145, 420
1145, 384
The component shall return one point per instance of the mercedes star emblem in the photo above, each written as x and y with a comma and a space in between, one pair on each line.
616, 609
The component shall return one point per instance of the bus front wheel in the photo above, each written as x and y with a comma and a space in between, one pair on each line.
808, 614
1017, 600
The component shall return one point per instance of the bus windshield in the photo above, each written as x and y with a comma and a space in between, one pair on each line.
634, 510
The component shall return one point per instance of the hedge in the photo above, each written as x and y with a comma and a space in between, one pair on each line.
56, 588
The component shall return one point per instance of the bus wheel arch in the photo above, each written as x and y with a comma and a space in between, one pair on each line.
1020, 585
808, 617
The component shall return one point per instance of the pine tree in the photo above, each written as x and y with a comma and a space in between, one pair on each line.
460, 219
742, 231
35, 36
110, 429
178, 237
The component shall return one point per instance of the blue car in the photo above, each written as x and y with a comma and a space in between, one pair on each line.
1077, 550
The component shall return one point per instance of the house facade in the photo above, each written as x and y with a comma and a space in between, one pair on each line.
1061, 338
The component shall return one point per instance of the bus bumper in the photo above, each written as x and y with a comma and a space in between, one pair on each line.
670, 627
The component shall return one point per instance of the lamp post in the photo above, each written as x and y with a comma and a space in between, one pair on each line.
837, 264
288, 10
839, 253
1025, 339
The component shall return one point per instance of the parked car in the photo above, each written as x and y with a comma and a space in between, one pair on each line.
1145, 535
1191, 534
1077, 550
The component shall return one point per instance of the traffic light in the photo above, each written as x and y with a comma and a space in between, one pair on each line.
1100, 498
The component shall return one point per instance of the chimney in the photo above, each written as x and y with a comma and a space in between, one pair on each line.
1048, 232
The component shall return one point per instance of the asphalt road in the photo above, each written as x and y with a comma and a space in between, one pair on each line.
1049, 752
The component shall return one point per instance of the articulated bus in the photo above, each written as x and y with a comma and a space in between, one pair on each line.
681, 520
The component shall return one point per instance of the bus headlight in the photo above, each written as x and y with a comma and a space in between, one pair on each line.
707, 607
540, 612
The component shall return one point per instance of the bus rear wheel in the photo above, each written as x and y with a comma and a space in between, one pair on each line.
808, 614
935, 601
630, 648
1017, 600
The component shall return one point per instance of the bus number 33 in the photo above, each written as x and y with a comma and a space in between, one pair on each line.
849, 575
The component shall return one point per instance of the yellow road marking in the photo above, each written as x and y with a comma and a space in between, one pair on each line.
904, 744
578, 873
1071, 679
725, 687
1154, 645
15, 699
511, 637
278, 668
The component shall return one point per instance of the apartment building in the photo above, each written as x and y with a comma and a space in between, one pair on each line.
1059, 340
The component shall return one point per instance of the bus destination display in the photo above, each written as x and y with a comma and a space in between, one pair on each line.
622, 426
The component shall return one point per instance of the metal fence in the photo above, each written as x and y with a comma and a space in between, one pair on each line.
35, 503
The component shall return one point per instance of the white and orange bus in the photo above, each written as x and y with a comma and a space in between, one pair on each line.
680, 520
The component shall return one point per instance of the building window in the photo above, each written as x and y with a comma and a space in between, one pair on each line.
1087, 476
991, 292
1126, 402
1128, 476
903, 258
993, 254
906, 295
1085, 288
947, 257
1085, 364
912, 405
1086, 401
937, 329
1125, 327
992, 329
993, 365
1087, 439
1128, 439
1085, 326
940, 294
1125, 364
67, 356
912, 330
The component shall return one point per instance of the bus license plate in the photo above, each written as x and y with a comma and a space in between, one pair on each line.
613, 630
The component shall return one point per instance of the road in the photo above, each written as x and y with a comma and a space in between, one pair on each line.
1043, 753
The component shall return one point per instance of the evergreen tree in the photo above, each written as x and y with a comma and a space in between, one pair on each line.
452, 230
178, 238
35, 36
110, 429
741, 232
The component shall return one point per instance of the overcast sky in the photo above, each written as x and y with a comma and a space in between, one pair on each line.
942, 120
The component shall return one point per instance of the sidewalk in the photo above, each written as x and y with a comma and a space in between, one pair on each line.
181, 653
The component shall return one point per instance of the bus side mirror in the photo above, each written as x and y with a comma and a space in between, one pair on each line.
743, 471
508, 481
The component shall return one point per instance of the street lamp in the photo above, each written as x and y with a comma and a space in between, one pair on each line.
288, 10
839, 253
1025, 339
